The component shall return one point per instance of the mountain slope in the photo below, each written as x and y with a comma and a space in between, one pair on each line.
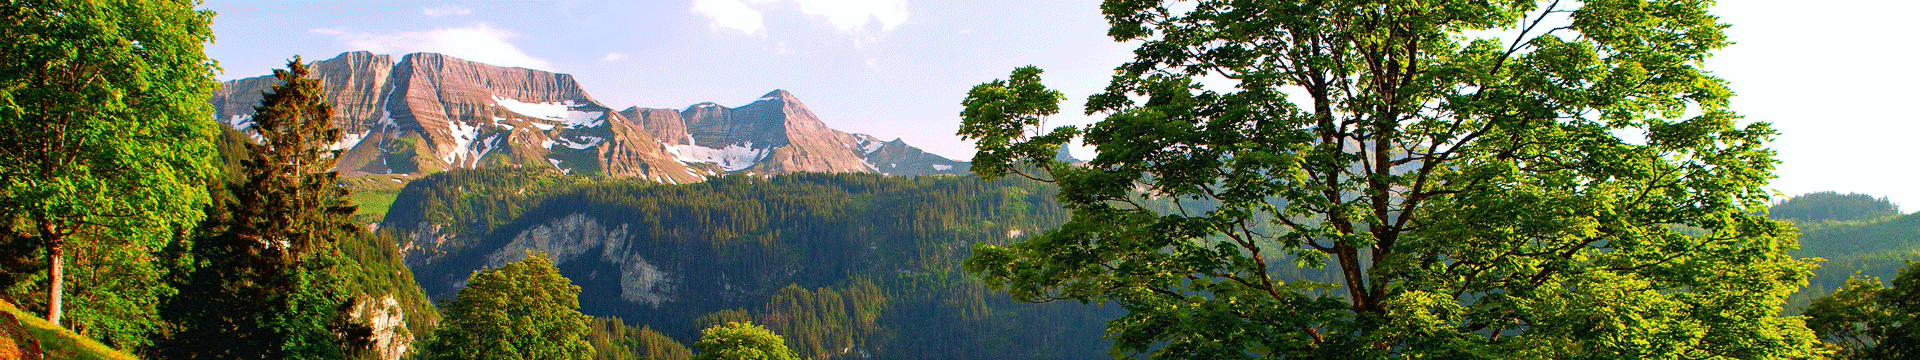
843, 265
1853, 233
427, 112
25, 336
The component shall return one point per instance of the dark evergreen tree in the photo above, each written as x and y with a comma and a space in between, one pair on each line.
613, 339
268, 282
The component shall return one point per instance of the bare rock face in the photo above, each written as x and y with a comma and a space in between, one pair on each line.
566, 239
896, 158
428, 112
356, 84
389, 322
778, 134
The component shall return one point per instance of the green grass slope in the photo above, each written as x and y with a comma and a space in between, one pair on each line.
22, 332
374, 193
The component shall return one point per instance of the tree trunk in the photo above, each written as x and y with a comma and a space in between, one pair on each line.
55, 251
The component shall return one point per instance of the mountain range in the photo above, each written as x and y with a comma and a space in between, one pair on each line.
427, 112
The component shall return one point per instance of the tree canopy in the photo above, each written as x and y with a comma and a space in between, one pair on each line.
1489, 179
104, 136
1870, 320
742, 341
524, 310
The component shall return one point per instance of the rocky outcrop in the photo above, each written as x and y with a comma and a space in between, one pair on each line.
389, 323
568, 238
424, 241
427, 112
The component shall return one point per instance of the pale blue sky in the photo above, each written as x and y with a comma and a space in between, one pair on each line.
1833, 76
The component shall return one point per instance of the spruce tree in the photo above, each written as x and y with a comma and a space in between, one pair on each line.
270, 283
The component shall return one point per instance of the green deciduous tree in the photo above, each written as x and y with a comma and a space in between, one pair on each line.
1869, 320
104, 134
524, 310
742, 341
269, 282
1480, 179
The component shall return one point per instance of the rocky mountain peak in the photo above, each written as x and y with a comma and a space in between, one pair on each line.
427, 112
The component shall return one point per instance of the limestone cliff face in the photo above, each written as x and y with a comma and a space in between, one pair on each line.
577, 238
425, 112
424, 241
389, 322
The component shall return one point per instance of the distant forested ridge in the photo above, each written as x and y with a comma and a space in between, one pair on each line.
841, 265
1833, 206
1853, 233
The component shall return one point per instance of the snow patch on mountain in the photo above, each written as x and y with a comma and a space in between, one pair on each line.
491, 145
938, 167
590, 142
734, 157
463, 136
565, 112
348, 141
868, 144
386, 120
244, 123
241, 122
556, 165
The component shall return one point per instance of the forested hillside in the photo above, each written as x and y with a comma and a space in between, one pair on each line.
1855, 233
841, 265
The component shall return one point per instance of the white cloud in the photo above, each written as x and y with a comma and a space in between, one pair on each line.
854, 16
613, 56
481, 42
864, 20
448, 9
732, 14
